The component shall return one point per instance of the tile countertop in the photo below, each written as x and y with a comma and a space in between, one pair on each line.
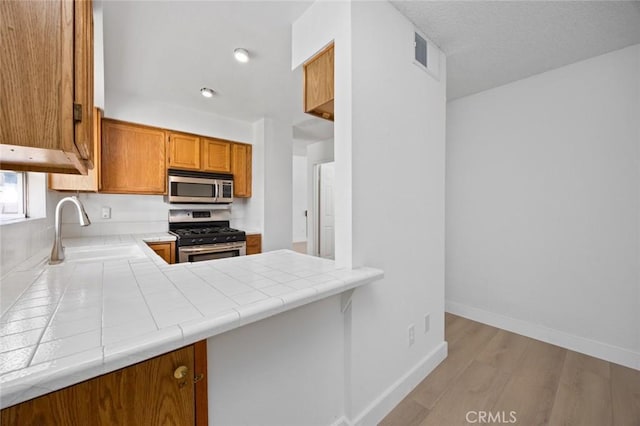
63, 324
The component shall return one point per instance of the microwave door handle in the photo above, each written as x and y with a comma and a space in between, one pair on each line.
215, 190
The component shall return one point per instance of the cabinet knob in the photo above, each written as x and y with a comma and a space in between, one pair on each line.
180, 372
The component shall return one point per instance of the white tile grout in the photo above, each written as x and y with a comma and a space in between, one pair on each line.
254, 288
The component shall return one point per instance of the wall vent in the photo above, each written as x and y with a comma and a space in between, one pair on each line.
420, 50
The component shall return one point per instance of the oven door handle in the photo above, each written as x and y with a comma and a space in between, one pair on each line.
211, 249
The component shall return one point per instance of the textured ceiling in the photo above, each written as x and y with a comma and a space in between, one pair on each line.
491, 43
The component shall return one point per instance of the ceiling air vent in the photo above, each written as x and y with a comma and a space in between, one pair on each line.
420, 48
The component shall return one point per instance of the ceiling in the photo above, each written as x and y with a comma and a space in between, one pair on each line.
491, 43
165, 51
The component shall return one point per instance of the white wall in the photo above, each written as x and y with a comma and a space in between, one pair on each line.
281, 371
398, 202
543, 206
299, 198
278, 150
153, 113
317, 153
254, 206
389, 154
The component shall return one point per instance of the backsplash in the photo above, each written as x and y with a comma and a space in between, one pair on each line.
130, 214
21, 240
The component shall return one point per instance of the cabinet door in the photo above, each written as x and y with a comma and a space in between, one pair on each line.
241, 164
133, 158
167, 251
217, 156
318, 84
83, 78
47, 66
91, 181
254, 244
143, 394
184, 151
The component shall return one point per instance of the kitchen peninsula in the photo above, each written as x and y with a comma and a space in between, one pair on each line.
88, 316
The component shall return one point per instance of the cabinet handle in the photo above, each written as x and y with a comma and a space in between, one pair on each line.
180, 372
77, 113
198, 378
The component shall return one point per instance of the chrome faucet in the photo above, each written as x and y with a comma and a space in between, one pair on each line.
57, 252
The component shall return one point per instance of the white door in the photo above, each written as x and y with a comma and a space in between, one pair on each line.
326, 227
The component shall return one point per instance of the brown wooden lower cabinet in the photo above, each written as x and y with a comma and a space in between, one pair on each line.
147, 393
167, 251
254, 243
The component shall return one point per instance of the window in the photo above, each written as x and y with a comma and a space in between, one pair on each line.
12, 195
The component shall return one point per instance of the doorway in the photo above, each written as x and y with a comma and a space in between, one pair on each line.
323, 210
312, 198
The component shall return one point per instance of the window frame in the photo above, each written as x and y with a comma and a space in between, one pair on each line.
22, 212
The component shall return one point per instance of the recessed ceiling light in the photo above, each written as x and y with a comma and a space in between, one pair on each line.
242, 55
206, 92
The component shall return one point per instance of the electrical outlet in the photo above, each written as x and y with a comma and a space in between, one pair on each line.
412, 334
106, 212
427, 322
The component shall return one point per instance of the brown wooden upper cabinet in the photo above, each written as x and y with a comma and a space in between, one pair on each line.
184, 151
193, 152
318, 84
216, 155
205, 154
47, 86
133, 158
241, 164
91, 181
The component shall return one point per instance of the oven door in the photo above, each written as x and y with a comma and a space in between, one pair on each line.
211, 251
183, 189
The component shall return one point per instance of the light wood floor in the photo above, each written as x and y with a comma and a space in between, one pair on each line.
300, 247
496, 371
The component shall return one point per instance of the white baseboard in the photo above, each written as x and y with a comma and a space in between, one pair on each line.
589, 347
383, 404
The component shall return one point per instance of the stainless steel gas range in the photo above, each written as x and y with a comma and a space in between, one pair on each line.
201, 237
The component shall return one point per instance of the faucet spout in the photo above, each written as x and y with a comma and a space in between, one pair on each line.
57, 252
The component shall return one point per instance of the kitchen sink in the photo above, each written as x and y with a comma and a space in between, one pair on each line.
103, 253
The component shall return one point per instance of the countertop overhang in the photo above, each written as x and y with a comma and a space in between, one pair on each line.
67, 323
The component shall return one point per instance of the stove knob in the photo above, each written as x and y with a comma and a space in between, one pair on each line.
228, 238
201, 240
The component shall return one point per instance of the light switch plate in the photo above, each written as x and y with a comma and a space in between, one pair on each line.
106, 212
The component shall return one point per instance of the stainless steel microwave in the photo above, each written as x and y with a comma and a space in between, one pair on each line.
199, 187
